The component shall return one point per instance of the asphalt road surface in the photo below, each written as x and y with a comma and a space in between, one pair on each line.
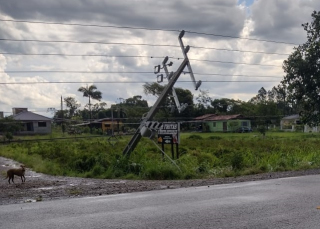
279, 203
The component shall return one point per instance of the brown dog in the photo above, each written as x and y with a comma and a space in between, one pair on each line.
18, 172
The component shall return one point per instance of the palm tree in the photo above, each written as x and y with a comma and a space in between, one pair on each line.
92, 93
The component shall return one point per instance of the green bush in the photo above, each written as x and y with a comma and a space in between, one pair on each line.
237, 161
162, 173
214, 138
195, 137
200, 157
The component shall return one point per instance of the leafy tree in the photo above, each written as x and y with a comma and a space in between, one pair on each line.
152, 89
92, 93
221, 106
184, 96
203, 105
241, 107
72, 104
8, 126
135, 101
204, 99
132, 109
302, 70
261, 97
98, 109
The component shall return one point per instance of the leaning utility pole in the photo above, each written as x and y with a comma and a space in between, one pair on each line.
169, 88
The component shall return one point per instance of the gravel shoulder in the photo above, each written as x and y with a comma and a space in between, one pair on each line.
42, 187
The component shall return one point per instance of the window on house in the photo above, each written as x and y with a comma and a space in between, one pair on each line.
214, 124
42, 124
245, 123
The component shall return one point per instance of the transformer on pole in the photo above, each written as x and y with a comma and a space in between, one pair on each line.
172, 78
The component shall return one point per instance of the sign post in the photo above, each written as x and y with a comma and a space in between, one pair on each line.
169, 133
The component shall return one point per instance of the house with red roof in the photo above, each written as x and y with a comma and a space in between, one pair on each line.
224, 123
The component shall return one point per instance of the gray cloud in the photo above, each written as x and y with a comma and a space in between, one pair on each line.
205, 16
281, 20
268, 20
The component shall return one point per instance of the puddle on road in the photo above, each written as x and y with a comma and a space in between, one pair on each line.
30, 201
45, 188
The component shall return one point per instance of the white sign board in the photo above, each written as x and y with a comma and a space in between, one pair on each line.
169, 133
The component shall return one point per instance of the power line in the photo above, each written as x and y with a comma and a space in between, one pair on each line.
133, 56
243, 38
116, 72
236, 75
90, 25
144, 28
231, 62
104, 55
86, 42
81, 55
124, 43
134, 82
65, 71
238, 50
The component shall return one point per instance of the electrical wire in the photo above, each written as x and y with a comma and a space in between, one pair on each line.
129, 44
116, 72
133, 56
144, 28
135, 82
211, 61
87, 42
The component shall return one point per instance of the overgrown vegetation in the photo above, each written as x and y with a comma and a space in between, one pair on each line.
202, 155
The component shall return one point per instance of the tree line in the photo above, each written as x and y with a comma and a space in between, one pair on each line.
266, 107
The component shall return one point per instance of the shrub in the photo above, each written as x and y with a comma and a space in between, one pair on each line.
195, 137
214, 138
97, 170
162, 173
237, 161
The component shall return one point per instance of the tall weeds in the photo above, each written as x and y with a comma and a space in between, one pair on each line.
202, 156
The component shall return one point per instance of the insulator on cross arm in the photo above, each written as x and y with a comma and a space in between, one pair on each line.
198, 84
181, 34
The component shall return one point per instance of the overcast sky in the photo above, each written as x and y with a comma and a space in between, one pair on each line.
119, 38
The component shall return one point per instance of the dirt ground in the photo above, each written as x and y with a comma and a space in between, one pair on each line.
41, 187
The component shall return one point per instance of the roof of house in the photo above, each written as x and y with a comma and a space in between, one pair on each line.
203, 117
30, 116
99, 121
224, 117
295, 116
214, 117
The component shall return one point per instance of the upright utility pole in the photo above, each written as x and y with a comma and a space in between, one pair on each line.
138, 134
62, 116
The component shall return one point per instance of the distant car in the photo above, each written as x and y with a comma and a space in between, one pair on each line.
243, 129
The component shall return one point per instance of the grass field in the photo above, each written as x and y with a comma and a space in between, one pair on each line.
202, 155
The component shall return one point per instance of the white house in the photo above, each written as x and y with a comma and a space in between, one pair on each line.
290, 123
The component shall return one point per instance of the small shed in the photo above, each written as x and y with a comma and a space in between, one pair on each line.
33, 123
290, 122
108, 125
293, 123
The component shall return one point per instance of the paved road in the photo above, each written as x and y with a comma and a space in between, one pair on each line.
280, 203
